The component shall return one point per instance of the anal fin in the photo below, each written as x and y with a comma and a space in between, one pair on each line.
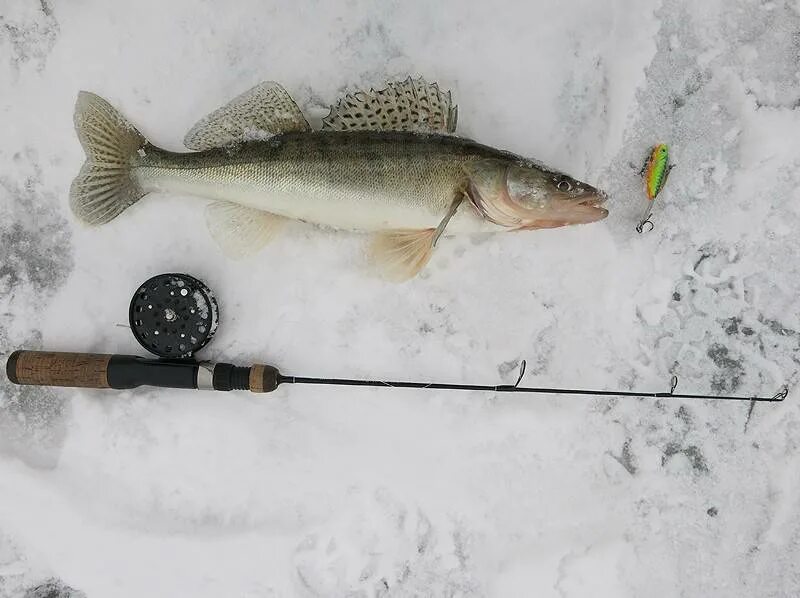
241, 231
401, 254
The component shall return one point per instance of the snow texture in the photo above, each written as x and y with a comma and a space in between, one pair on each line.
359, 492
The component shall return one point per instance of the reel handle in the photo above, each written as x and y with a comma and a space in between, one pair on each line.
90, 370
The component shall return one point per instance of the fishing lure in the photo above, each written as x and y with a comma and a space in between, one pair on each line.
655, 171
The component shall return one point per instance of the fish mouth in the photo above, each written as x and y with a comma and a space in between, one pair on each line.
561, 210
594, 199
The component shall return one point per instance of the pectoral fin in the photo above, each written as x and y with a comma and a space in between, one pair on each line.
241, 231
401, 254
447, 217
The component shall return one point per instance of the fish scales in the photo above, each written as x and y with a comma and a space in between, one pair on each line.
409, 179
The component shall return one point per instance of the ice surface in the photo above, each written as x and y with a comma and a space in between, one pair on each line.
348, 492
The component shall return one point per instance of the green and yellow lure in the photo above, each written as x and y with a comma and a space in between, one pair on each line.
655, 172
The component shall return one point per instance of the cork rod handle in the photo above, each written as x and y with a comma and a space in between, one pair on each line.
88, 370
47, 368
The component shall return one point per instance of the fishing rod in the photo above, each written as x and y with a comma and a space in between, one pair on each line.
175, 315
88, 370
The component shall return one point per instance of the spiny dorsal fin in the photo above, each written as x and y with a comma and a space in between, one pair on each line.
266, 109
241, 231
411, 105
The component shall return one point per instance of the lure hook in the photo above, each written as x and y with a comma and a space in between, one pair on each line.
641, 225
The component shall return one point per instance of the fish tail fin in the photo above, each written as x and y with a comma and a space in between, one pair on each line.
105, 185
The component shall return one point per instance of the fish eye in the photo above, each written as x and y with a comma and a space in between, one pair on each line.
564, 185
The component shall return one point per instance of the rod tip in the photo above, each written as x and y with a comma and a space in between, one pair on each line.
781, 394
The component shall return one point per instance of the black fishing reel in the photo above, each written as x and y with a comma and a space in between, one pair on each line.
173, 315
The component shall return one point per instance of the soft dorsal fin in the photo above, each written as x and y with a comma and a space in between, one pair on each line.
266, 109
411, 105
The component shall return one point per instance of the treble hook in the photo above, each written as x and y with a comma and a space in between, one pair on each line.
640, 226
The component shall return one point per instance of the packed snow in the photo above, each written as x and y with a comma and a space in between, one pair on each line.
369, 492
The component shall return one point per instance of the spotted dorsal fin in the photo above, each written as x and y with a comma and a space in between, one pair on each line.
411, 105
266, 109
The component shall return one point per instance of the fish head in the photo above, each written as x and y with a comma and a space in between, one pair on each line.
525, 195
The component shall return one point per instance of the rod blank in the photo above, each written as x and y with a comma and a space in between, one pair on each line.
779, 396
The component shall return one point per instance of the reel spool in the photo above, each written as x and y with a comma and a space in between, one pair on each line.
173, 315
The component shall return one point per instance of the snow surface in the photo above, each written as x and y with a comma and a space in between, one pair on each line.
358, 492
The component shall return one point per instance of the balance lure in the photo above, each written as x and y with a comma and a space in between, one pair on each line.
655, 171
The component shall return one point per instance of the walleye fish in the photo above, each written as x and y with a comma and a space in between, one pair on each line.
385, 162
